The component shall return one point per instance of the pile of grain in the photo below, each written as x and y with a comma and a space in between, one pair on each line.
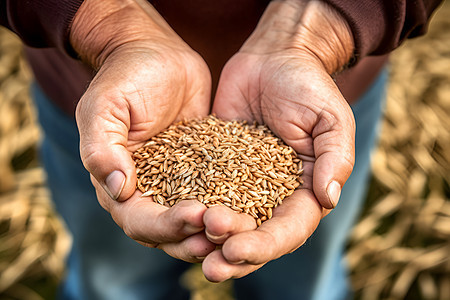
231, 163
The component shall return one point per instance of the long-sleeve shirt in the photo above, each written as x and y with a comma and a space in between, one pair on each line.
378, 27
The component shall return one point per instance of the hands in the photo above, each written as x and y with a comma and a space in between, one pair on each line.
281, 78
147, 78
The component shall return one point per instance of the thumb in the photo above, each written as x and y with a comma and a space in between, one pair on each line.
103, 150
335, 156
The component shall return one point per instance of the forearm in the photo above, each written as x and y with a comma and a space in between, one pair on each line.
380, 26
336, 31
101, 26
300, 26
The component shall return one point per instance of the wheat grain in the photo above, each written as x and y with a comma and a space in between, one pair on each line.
242, 166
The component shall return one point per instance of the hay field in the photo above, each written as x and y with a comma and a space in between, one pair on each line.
400, 248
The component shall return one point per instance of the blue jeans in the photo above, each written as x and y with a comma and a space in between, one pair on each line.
105, 264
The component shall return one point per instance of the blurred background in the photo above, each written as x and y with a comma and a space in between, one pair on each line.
400, 248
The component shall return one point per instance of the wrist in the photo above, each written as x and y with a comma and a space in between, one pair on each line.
299, 28
100, 27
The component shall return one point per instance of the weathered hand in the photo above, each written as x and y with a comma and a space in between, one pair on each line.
300, 103
147, 78
287, 86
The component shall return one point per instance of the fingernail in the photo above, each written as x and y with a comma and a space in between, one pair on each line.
237, 262
201, 258
114, 184
215, 238
334, 192
190, 229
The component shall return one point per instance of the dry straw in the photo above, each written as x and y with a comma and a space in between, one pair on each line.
33, 242
232, 163
401, 247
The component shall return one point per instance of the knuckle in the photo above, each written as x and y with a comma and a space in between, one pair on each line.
129, 231
90, 156
125, 220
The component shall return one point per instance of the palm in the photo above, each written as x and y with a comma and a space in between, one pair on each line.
297, 101
142, 99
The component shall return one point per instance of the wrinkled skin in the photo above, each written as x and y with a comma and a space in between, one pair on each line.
145, 84
117, 114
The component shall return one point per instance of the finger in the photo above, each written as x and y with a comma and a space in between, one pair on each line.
335, 155
217, 269
149, 221
144, 220
192, 249
103, 145
291, 225
222, 222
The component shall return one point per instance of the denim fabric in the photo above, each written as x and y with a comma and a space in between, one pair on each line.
105, 264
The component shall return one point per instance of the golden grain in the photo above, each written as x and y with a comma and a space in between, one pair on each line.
231, 163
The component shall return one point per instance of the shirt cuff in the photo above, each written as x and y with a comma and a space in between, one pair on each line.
42, 23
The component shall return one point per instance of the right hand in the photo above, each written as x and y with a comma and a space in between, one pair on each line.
281, 78
147, 78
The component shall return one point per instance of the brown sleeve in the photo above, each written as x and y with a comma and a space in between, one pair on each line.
40, 23
379, 26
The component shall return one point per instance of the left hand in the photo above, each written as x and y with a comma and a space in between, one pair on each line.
287, 86
147, 78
